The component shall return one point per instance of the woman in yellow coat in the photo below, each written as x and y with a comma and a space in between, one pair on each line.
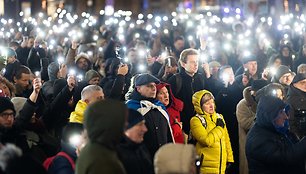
209, 130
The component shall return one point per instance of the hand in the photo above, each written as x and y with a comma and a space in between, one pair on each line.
74, 44
220, 122
63, 71
265, 74
228, 166
205, 67
123, 69
179, 123
37, 85
245, 80
71, 82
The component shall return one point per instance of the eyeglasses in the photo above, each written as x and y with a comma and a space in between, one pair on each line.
7, 115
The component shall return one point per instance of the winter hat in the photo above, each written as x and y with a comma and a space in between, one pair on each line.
81, 55
18, 104
174, 158
10, 53
5, 104
258, 84
144, 79
91, 74
134, 118
281, 70
249, 58
299, 77
53, 69
214, 64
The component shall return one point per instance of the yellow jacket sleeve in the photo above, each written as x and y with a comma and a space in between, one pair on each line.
202, 135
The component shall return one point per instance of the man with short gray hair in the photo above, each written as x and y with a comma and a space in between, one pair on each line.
89, 94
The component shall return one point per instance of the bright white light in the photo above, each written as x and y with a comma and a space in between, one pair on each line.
149, 16
166, 31
141, 68
190, 38
238, 10
137, 35
140, 16
95, 37
226, 10
60, 60
75, 140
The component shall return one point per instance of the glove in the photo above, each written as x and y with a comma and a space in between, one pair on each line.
228, 167
220, 122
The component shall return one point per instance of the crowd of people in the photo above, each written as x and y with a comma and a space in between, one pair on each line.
181, 93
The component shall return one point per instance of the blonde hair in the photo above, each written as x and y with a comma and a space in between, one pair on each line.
206, 97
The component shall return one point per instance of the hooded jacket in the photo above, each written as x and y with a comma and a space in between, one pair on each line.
269, 151
245, 113
174, 108
77, 116
157, 121
104, 122
297, 101
213, 141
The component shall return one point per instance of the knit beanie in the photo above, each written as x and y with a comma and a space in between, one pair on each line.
281, 70
91, 74
53, 69
134, 118
5, 104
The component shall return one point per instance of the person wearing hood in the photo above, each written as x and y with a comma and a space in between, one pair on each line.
286, 55
270, 146
176, 158
174, 107
104, 123
12, 64
133, 154
143, 99
92, 77
55, 71
117, 79
297, 100
245, 113
210, 133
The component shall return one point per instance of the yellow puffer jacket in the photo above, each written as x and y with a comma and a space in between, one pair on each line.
77, 116
213, 141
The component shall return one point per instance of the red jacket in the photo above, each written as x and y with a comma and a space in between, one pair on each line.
174, 108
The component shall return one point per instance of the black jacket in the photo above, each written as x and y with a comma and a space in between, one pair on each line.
135, 157
269, 151
159, 131
190, 85
297, 100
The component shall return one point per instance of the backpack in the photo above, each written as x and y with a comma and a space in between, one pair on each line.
191, 139
49, 160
